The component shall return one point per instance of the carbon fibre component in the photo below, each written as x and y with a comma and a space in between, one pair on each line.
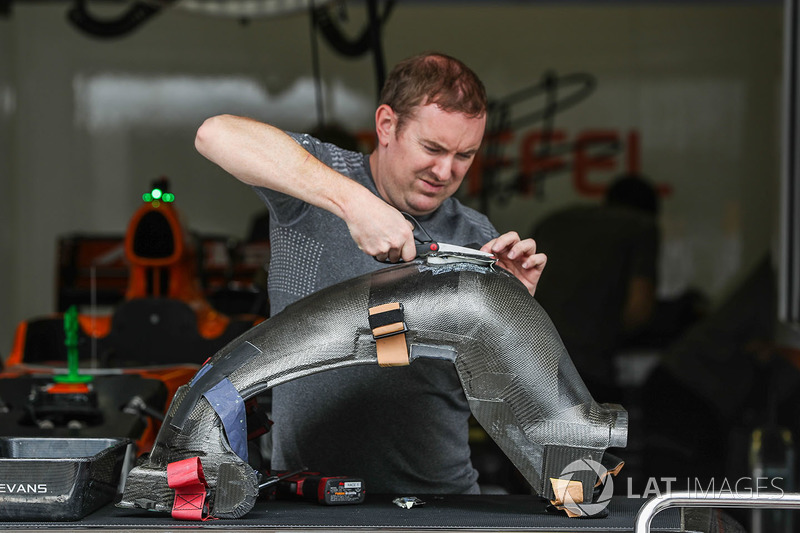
517, 376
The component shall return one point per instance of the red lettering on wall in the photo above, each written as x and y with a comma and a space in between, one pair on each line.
634, 159
592, 156
537, 159
483, 160
593, 150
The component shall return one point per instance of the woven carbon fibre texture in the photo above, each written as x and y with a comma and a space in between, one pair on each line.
517, 376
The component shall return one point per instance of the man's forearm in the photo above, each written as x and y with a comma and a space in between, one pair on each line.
261, 155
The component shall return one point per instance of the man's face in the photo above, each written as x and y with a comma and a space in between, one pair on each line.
425, 162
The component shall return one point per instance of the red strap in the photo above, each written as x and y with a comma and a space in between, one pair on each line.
187, 478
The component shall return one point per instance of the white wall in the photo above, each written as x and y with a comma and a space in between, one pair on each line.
86, 124
8, 186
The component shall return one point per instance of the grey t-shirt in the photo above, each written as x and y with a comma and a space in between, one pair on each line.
401, 429
592, 254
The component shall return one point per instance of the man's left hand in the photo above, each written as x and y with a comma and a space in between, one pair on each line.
518, 257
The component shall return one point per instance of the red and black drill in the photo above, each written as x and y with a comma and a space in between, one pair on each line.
312, 486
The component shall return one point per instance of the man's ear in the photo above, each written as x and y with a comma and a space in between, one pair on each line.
385, 124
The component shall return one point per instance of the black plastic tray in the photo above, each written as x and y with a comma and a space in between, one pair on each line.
58, 479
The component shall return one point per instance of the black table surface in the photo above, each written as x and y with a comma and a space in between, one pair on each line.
378, 513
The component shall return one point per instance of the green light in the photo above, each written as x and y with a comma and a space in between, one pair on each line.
156, 196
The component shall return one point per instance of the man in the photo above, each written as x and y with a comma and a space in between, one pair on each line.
601, 284
401, 429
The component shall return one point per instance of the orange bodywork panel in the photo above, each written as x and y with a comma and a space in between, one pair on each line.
162, 264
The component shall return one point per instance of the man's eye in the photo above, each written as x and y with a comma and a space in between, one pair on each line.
432, 150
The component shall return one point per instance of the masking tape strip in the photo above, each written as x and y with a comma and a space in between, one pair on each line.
568, 492
388, 328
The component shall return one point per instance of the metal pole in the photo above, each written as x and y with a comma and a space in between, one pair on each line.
375, 43
771, 500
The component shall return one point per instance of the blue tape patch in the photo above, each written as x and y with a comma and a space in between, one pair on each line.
229, 406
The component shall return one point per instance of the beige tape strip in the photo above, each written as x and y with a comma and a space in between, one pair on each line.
563, 488
388, 329
384, 307
392, 350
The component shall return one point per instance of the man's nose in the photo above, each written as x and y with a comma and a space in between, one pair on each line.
443, 168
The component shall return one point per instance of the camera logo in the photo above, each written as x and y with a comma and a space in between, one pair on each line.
586, 508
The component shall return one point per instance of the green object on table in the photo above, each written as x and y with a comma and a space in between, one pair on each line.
71, 342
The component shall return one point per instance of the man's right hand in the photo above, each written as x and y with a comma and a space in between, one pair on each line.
380, 230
